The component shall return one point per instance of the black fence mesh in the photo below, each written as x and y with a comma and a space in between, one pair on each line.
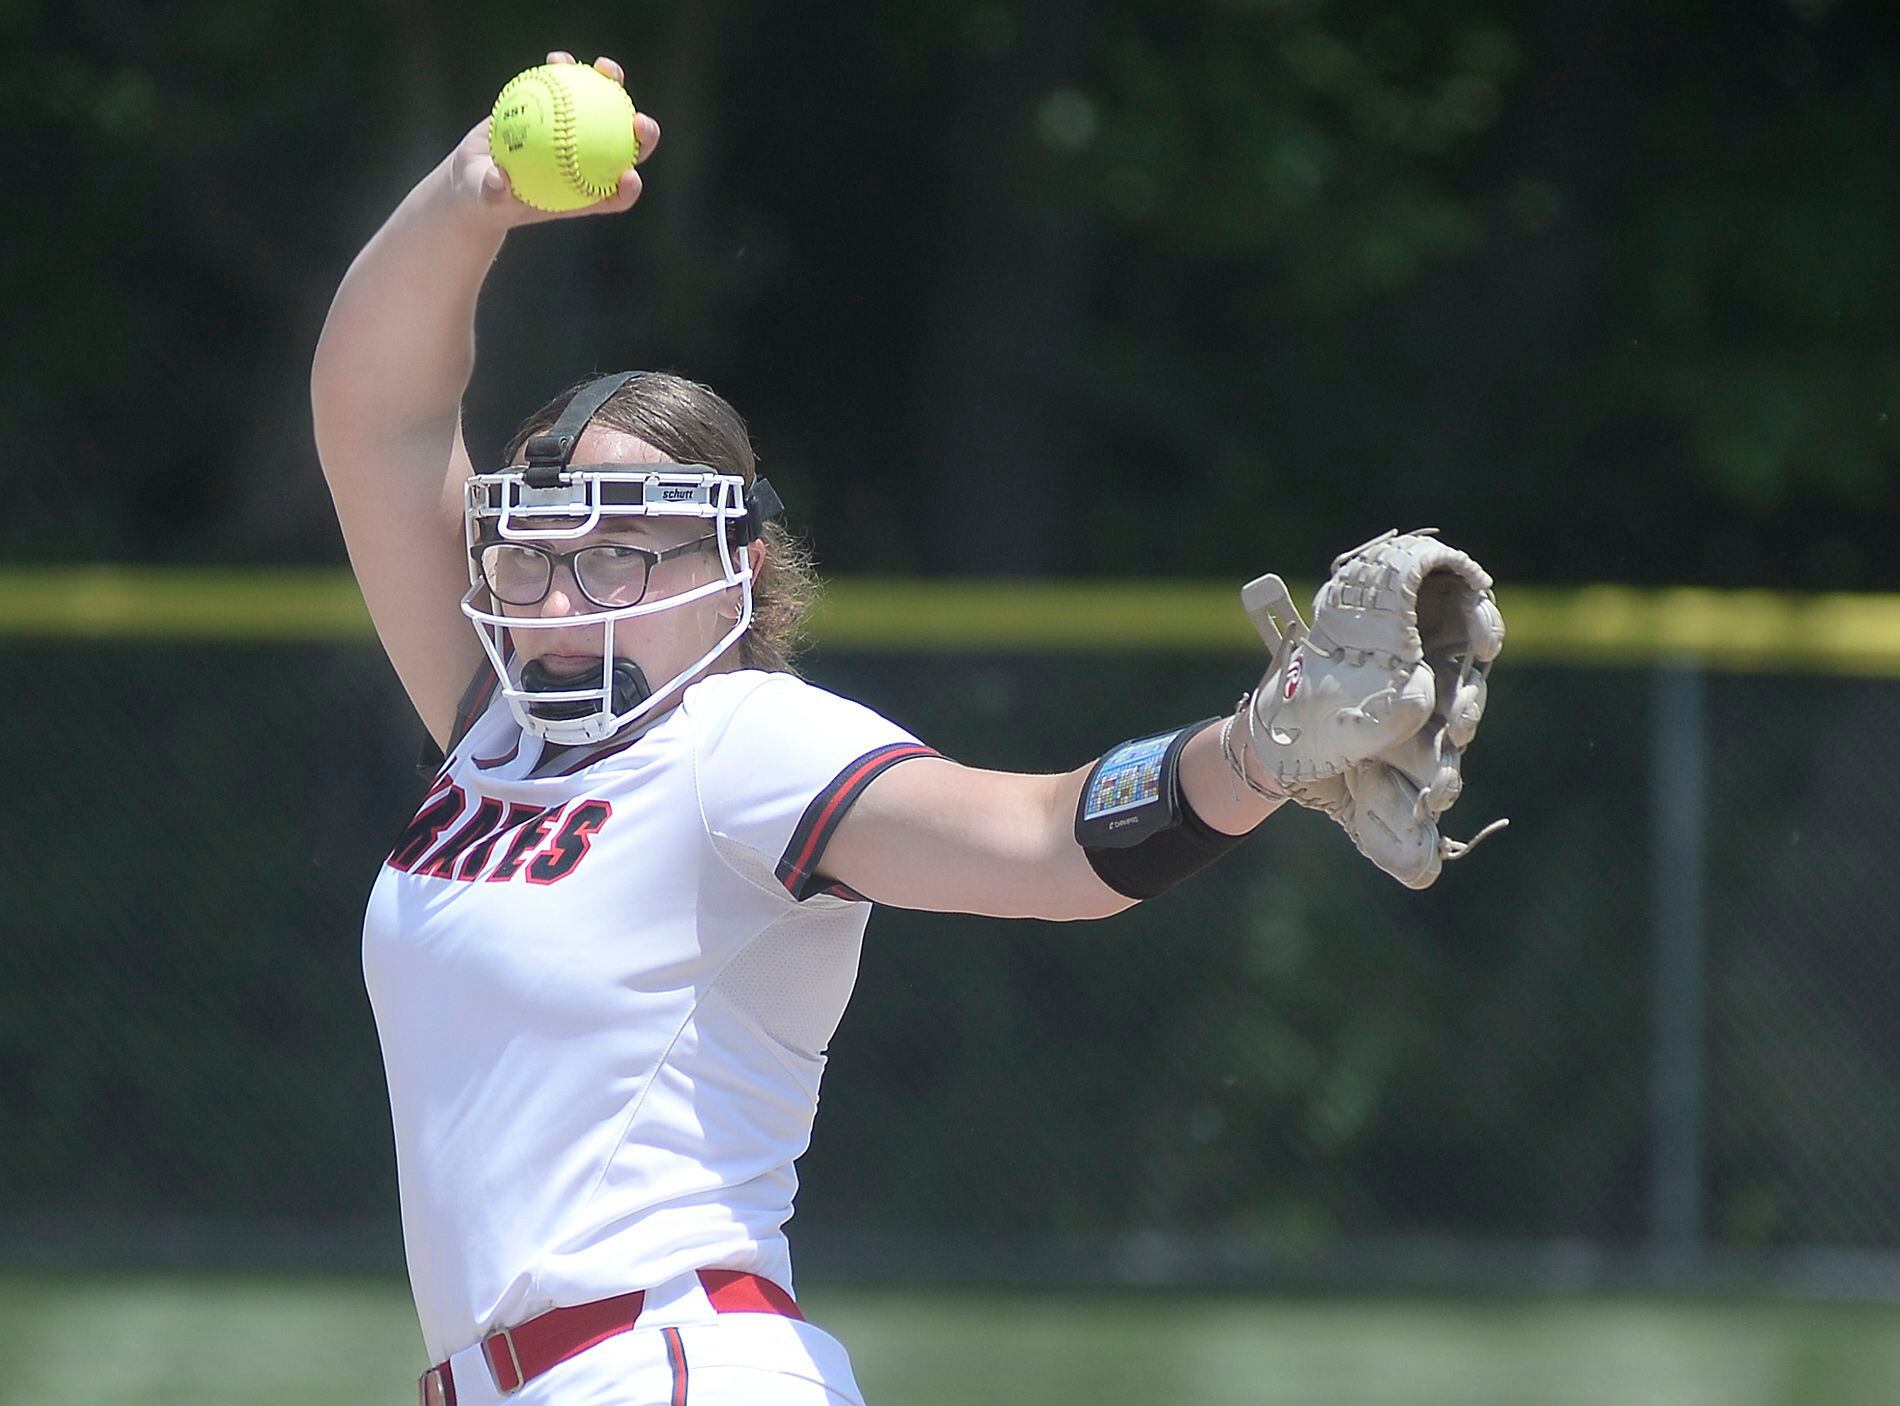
1290, 1057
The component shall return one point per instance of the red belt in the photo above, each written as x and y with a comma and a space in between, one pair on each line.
517, 1355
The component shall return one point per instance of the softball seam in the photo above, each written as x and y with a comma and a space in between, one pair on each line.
566, 148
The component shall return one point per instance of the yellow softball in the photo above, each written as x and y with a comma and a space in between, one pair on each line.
563, 133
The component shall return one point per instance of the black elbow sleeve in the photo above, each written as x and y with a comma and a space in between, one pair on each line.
1137, 829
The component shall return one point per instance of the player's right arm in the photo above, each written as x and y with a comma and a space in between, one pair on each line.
386, 393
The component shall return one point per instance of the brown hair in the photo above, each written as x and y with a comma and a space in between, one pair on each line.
694, 424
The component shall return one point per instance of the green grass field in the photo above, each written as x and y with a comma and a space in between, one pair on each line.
205, 1340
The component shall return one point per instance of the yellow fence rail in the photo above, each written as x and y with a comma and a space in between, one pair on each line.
1606, 624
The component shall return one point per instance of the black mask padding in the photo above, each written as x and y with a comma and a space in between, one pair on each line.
630, 690
548, 452
762, 505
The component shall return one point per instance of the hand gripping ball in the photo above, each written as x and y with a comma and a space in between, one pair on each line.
563, 133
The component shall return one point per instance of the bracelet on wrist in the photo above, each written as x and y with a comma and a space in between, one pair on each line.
1235, 761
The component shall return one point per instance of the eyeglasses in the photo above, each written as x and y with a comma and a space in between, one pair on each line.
610, 574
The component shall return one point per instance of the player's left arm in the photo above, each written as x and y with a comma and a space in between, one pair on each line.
946, 838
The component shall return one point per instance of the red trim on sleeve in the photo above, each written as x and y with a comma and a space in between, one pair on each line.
797, 868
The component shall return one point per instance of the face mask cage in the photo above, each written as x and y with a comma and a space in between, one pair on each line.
507, 507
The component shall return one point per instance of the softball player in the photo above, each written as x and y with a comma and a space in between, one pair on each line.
607, 954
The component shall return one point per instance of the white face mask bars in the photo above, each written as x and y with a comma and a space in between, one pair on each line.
506, 507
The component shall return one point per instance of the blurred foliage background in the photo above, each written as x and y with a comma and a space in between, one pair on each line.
1160, 287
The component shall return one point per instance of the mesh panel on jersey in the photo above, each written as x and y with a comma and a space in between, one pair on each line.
794, 978
748, 863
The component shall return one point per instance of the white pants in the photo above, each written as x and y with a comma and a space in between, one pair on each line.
683, 1354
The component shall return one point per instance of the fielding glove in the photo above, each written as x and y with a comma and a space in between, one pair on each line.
1366, 714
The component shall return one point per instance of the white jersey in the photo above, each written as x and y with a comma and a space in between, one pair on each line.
604, 996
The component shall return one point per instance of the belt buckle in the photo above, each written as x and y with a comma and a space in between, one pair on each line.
432, 1389
514, 1360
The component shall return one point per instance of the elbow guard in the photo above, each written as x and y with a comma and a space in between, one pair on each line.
1138, 831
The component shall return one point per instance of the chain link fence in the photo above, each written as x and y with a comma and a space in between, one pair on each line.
1644, 1036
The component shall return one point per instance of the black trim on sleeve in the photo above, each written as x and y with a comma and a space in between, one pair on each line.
474, 702
798, 866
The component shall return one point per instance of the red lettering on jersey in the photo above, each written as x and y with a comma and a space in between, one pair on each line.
477, 859
439, 808
567, 849
533, 841
531, 834
441, 864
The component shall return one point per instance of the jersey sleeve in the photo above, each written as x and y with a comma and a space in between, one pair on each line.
780, 771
